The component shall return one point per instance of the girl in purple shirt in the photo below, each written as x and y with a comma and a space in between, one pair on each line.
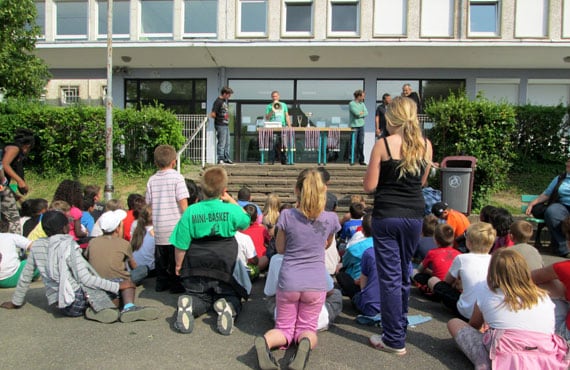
303, 235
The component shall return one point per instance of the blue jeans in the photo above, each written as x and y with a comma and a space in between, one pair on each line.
223, 137
553, 217
395, 241
359, 147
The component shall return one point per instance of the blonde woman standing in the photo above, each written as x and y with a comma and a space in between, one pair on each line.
399, 165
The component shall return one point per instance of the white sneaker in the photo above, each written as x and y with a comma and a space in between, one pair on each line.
377, 342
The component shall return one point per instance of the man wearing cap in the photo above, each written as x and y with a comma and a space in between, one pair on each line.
457, 220
69, 280
108, 254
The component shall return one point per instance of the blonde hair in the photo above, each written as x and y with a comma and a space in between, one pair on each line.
214, 181
113, 205
357, 198
481, 237
59, 205
402, 113
509, 272
144, 220
521, 231
271, 209
311, 193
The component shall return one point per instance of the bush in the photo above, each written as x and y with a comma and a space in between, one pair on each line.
477, 128
73, 138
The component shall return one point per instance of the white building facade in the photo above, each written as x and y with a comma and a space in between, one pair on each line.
316, 53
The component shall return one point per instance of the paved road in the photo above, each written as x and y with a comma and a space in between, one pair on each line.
35, 337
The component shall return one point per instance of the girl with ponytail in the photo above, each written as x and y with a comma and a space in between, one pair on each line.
303, 234
399, 166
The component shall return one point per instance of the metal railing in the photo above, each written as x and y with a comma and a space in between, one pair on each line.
195, 132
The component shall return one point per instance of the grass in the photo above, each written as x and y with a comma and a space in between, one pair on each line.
125, 182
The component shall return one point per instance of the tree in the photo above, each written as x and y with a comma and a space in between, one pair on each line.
22, 74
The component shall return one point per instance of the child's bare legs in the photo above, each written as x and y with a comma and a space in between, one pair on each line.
275, 338
432, 281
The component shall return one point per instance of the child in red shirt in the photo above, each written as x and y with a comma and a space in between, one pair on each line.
259, 235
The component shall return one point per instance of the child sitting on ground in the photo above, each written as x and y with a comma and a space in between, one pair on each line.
367, 300
427, 241
259, 235
13, 248
37, 207
438, 260
502, 221
108, 255
521, 231
348, 277
142, 240
247, 254
58, 205
457, 290
457, 220
353, 224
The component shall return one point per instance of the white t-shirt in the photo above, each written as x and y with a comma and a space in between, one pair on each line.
246, 247
471, 268
270, 289
9, 244
539, 318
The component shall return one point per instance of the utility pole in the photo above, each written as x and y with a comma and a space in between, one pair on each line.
109, 187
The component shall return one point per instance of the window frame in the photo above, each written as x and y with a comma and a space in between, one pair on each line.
188, 35
154, 35
333, 33
498, 9
377, 20
85, 36
426, 14
522, 33
100, 35
65, 91
284, 16
254, 34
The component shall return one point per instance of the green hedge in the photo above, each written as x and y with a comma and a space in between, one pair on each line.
478, 128
73, 138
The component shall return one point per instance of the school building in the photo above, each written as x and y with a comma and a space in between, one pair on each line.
316, 53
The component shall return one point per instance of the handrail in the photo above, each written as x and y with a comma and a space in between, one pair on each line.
202, 128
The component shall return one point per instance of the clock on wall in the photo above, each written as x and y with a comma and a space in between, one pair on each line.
166, 87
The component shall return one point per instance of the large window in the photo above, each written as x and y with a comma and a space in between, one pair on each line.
548, 92
121, 18
181, 96
566, 18
484, 18
200, 18
156, 18
344, 18
427, 89
41, 17
297, 18
71, 19
390, 17
499, 89
437, 18
531, 18
252, 16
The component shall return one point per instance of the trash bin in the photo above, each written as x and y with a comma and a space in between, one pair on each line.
457, 182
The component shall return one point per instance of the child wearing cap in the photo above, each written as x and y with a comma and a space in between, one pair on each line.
457, 220
108, 254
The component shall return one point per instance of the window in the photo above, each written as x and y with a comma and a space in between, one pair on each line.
548, 92
297, 18
156, 18
252, 16
531, 18
180, 96
499, 90
427, 89
484, 18
69, 95
344, 18
41, 17
121, 19
437, 17
566, 18
390, 17
71, 19
200, 18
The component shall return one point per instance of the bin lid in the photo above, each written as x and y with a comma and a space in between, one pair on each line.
459, 161
456, 169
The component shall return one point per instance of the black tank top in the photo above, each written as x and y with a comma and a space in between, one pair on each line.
398, 197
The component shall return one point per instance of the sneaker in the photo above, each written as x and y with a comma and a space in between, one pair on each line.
264, 356
376, 342
220, 162
139, 313
229, 161
105, 316
184, 318
225, 316
299, 361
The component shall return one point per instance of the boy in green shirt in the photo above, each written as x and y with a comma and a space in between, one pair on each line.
206, 252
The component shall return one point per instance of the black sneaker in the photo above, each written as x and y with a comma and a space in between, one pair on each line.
299, 361
139, 313
225, 316
264, 356
184, 318
229, 161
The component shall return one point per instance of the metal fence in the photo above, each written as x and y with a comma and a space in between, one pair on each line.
194, 131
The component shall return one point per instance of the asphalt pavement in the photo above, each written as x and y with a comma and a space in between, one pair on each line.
37, 337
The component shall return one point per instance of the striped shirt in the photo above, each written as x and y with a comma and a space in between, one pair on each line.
163, 192
38, 258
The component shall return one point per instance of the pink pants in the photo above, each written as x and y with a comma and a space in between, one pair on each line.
298, 312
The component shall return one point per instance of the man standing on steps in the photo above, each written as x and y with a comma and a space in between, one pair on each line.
277, 111
221, 115
357, 113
